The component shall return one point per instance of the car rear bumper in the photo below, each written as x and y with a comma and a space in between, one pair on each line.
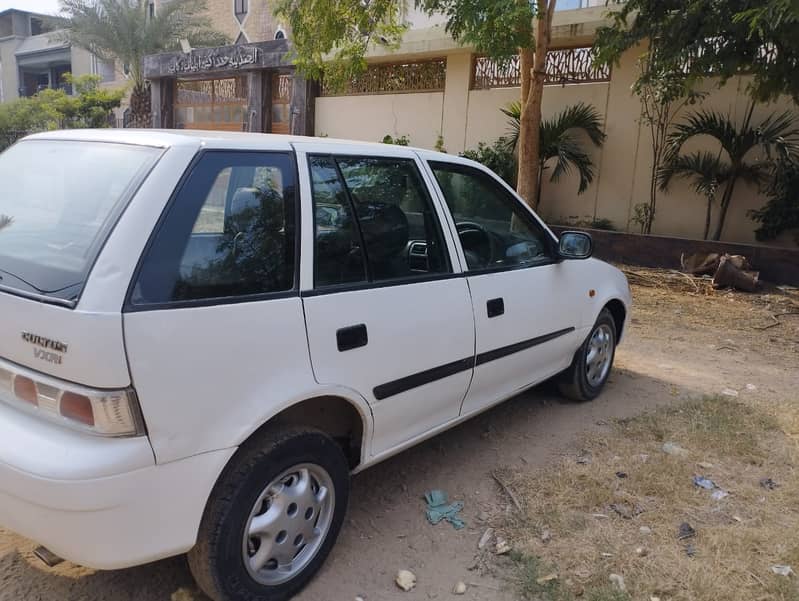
106, 513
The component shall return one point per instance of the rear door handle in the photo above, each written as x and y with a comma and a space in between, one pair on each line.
495, 307
352, 337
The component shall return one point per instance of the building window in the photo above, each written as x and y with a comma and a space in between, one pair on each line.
280, 34
241, 8
151, 9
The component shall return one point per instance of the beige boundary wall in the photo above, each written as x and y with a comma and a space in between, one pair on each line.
465, 117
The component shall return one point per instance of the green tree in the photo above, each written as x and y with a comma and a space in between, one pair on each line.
750, 152
124, 31
781, 212
89, 106
331, 37
561, 138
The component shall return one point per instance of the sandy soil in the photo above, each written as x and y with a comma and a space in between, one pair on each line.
679, 346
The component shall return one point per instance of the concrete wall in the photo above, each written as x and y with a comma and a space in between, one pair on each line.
466, 117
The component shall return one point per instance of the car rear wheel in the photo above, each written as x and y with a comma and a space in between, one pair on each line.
589, 371
272, 518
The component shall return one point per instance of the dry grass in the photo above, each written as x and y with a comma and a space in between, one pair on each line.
738, 538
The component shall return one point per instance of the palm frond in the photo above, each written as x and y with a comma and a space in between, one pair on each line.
570, 155
705, 172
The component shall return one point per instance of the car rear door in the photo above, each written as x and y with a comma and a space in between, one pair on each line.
386, 313
524, 300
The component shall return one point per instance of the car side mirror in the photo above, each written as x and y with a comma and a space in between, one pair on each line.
575, 245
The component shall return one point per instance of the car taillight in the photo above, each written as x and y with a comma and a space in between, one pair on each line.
100, 412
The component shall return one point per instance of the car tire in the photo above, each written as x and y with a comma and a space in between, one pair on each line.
592, 363
278, 487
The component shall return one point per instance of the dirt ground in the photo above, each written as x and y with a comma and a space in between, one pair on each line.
680, 346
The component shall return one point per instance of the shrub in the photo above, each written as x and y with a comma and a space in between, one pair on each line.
398, 141
498, 157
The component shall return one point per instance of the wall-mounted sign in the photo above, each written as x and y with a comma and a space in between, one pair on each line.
214, 59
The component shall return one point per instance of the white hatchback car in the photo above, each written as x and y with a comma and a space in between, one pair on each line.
203, 335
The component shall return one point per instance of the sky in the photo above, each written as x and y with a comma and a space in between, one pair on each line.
35, 6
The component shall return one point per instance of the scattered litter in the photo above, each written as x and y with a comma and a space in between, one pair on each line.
645, 530
719, 494
502, 547
703, 482
618, 581
439, 509
643, 457
621, 475
486, 538
705, 465
460, 588
686, 531
546, 536
406, 580
183, 594
606, 554
782, 570
768, 484
654, 598
600, 516
751, 387
641, 551
359, 598
737, 518
672, 448
547, 578
690, 550
729, 392
584, 457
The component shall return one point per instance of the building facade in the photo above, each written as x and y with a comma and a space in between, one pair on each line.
33, 58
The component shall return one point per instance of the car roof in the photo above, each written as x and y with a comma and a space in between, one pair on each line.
164, 138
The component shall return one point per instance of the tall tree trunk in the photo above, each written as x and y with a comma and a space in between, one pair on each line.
140, 105
725, 204
530, 122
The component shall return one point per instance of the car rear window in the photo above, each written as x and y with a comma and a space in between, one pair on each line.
58, 203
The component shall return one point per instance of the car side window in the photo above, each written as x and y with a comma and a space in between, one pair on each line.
229, 232
337, 245
494, 230
398, 224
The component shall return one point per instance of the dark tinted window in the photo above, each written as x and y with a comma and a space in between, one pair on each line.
230, 232
494, 229
399, 226
338, 254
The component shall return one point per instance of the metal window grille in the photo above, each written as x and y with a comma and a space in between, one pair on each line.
564, 66
395, 78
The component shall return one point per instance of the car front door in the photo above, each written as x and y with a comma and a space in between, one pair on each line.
525, 315
385, 314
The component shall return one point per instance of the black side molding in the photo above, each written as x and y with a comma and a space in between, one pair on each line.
395, 387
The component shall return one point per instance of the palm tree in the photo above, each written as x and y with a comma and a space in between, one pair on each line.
705, 172
561, 140
750, 151
124, 30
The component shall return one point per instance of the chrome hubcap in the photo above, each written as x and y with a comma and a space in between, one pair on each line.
599, 356
288, 524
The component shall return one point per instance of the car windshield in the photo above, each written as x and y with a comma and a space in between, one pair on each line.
58, 203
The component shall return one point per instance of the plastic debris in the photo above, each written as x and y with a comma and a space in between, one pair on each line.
460, 588
547, 578
729, 392
641, 551
780, 570
705, 465
438, 509
406, 580
672, 448
486, 538
719, 494
645, 530
768, 484
546, 536
690, 550
618, 581
502, 547
751, 387
703, 482
621, 475
686, 531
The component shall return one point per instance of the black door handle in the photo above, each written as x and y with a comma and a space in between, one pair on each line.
352, 337
495, 307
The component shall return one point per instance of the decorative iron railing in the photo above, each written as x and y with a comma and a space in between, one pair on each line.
564, 66
395, 78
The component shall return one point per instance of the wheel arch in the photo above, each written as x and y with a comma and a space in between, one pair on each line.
619, 312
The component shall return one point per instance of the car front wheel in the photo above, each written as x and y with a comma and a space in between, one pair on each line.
589, 371
272, 518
